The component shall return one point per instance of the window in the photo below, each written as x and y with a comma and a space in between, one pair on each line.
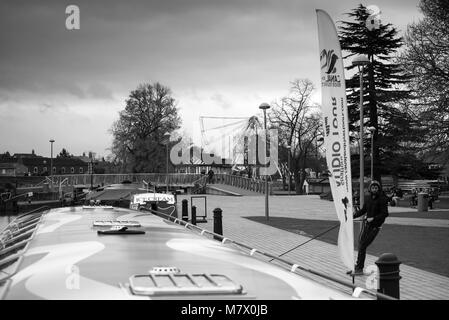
35, 170
44, 169
81, 170
54, 169
63, 170
72, 170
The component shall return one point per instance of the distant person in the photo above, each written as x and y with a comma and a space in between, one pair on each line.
376, 211
433, 195
210, 175
414, 199
356, 198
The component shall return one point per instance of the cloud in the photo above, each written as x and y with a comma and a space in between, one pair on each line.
219, 57
44, 107
99, 91
221, 101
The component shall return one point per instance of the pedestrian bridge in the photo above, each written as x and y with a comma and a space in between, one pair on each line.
174, 180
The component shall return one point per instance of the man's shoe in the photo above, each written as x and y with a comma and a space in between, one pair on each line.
358, 272
350, 271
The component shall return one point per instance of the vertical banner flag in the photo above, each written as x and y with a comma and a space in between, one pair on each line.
336, 132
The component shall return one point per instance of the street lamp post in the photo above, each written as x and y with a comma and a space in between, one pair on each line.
264, 107
361, 61
320, 139
372, 130
167, 140
51, 164
289, 171
91, 169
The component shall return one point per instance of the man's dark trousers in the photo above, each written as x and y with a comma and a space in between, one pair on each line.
367, 236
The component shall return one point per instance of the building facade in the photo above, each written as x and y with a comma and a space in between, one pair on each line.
12, 169
40, 166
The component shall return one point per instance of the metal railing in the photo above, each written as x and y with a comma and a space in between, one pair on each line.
107, 179
255, 185
174, 179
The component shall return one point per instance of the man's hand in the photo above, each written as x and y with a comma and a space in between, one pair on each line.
369, 219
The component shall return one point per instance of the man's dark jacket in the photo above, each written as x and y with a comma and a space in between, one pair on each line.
375, 207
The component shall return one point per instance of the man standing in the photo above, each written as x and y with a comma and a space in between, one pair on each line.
376, 210
211, 176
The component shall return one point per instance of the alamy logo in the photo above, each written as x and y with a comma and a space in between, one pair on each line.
328, 60
72, 281
72, 22
371, 281
373, 21
257, 153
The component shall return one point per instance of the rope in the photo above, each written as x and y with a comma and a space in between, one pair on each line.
300, 245
389, 273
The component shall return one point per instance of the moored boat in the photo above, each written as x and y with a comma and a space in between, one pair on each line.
65, 253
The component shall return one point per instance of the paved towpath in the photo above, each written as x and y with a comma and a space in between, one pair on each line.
316, 255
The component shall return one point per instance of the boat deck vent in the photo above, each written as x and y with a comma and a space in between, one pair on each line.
113, 223
169, 281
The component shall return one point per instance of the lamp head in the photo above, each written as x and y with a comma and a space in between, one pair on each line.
360, 61
166, 138
264, 106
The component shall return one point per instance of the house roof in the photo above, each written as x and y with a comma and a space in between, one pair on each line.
44, 161
26, 155
83, 158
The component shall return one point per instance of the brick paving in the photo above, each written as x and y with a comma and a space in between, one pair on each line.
416, 284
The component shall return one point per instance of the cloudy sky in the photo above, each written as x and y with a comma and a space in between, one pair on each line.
219, 57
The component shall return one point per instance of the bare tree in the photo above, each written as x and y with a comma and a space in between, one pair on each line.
426, 58
299, 125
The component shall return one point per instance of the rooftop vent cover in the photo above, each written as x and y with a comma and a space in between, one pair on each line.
169, 281
112, 223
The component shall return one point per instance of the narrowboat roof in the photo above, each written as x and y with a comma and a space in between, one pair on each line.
66, 257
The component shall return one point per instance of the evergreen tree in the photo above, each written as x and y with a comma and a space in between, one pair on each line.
384, 88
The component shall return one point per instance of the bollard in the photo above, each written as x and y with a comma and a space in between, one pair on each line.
153, 206
218, 225
389, 277
175, 213
185, 210
194, 215
423, 199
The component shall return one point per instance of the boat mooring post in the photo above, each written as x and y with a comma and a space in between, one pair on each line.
389, 277
193, 215
175, 213
218, 224
154, 206
185, 209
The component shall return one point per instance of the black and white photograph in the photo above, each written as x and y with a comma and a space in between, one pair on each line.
217, 158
